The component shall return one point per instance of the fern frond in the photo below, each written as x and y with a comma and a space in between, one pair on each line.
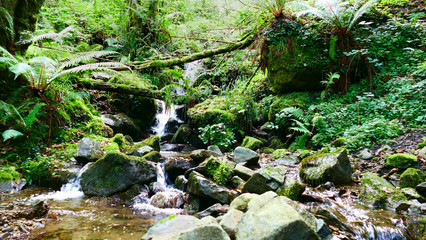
10, 28
104, 66
31, 117
7, 54
301, 128
83, 57
8, 134
361, 12
48, 62
77, 95
10, 111
23, 69
57, 37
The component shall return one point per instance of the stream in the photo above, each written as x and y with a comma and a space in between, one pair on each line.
73, 215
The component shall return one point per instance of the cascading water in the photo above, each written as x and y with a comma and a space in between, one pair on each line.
166, 198
70, 190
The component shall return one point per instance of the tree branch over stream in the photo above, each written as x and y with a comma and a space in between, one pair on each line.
193, 57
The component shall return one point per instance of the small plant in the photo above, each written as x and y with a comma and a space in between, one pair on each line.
37, 170
217, 134
327, 83
219, 171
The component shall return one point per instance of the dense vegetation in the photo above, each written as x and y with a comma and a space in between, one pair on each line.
367, 63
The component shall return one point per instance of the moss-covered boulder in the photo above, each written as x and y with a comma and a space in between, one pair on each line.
252, 143
402, 160
321, 168
115, 173
411, 178
203, 187
245, 156
292, 190
379, 192
211, 116
280, 153
8, 174
153, 141
182, 135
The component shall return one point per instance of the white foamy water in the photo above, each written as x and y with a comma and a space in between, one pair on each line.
163, 116
70, 190
166, 199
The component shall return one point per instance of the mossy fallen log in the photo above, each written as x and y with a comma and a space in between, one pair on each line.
247, 41
121, 88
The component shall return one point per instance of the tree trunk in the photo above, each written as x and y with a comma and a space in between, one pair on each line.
196, 56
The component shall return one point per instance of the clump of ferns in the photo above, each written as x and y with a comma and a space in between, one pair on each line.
41, 72
278, 20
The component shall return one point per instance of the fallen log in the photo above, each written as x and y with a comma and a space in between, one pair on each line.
121, 88
193, 57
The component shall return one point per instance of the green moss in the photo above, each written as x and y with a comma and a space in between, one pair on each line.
119, 139
376, 190
8, 174
153, 141
292, 191
324, 150
153, 156
212, 116
304, 154
267, 150
79, 110
252, 143
167, 218
287, 100
402, 160
111, 147
421, 145
97, 127
411, 178
340, 142
276, 143
219, 171
279, 153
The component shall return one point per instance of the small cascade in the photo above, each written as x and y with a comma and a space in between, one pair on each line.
70, 190
164, 117
166, 198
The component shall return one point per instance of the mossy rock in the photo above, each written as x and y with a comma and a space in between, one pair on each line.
153, 156
121, 123
153, 141
402, 160
276, 143
267, 150
182, 135
421, 145
280, 153
327, 167
111, 147
97, 127
411, 178
292, 190
114, 173
379, 192
340, 142
212, 116
252, 143
304, 154
8, 174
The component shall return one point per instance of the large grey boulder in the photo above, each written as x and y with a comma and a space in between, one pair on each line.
88, 151
322, 168
12, 186
115, 173
203, 187
266, 179
271, 217
245, 156
184, 227
230, 220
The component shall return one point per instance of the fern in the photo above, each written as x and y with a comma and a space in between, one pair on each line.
31, 117
8, 134
301, 127
9, 28
296, 112
57, 37
9, 111
83, 57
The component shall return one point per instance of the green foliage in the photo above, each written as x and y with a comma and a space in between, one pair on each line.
37, 171
8, 28
219, 171
217, 134
8, 174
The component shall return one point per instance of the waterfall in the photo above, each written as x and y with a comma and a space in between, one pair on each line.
164, 116
166, 198
70, 190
